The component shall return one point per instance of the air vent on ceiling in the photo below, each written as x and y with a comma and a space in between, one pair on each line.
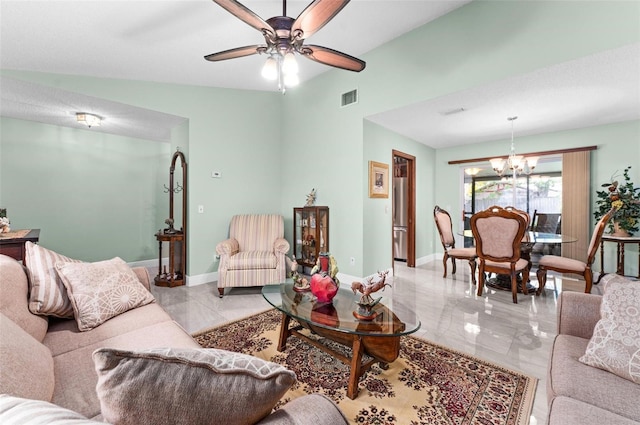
349, 97
452, 111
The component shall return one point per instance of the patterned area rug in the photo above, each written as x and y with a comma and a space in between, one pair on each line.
427, 384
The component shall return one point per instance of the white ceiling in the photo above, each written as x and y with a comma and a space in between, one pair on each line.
165, 41
595, 90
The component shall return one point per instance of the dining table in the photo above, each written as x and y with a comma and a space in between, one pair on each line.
531, 238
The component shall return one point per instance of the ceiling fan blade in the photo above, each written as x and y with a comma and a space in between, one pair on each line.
244, 14
236, 53
332, 58
315, 16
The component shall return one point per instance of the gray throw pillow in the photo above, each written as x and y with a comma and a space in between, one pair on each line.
187, 386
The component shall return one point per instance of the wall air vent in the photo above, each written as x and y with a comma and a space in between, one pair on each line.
349, 97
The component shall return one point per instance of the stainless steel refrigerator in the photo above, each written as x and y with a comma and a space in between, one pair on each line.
400, 220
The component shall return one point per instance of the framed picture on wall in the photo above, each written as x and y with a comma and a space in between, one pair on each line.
378, 180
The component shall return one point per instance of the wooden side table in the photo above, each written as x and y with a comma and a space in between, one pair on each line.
175, 275
14, 246
620, 242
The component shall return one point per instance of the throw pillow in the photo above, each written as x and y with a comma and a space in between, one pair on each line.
102, 290
27, 365
20, 411
615, 344
47, 294
189, 386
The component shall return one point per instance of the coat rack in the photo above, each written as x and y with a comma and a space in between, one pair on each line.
177, 239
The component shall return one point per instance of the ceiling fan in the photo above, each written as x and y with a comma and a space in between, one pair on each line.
285, 36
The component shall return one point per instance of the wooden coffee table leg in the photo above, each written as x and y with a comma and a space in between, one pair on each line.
284, 332
356, 361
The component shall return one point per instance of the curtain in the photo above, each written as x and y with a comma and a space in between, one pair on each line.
576, 198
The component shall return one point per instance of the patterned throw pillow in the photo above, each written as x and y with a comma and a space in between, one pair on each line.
187, 385
47, 294
102, 290
615, 344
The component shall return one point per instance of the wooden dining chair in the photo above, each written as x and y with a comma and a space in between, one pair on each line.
498, 234
445, 228
545, 223
572, 266
522, 213
525, 247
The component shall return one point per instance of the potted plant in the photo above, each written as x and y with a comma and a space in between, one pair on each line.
626, 199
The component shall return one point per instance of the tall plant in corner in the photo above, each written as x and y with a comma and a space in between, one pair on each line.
625, 198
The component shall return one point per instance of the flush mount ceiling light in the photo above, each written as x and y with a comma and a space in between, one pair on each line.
284, 36
88, 119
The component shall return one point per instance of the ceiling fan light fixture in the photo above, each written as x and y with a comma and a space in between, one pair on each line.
88, 119
270, 69
289, 64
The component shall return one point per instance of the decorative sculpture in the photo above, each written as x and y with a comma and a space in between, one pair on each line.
366, 302
300, 283
311, 198
324, 283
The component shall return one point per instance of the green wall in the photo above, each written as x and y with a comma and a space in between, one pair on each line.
378, 218
93, 195
273, 149
236, 132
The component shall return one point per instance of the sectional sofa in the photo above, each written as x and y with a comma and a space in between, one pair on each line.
49, 364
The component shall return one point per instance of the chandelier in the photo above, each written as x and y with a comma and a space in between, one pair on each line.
517, 163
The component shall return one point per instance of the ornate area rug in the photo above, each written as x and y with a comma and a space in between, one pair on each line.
427, 384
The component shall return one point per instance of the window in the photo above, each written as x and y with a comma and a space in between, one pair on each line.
541, 191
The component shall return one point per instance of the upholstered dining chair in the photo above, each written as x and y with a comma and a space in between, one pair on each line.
572, 266
445, 228
522, 213
498, 233
254, 253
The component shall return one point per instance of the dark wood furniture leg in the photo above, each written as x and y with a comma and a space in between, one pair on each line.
620, 259
602, 273
284, 332
356, 362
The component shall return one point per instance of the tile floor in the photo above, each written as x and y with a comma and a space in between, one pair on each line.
491, 327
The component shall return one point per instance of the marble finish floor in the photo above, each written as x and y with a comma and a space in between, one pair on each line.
491, 327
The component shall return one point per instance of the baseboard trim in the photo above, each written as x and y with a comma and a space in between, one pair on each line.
201, 279
190, 280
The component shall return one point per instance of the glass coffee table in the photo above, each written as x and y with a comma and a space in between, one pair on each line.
379, 338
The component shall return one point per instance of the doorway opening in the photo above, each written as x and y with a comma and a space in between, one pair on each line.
404, 210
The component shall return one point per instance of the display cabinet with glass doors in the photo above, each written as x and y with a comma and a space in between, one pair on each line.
310, 234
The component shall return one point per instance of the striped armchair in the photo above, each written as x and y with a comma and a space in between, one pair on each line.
254, 254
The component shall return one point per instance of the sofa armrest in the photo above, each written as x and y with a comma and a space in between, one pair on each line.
281, 246
143, 276
312, 409
228, 247
578, 313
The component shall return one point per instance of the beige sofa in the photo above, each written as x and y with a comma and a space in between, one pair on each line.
50, 359
578, 393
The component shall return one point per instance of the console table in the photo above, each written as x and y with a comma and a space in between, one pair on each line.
620, 241
14, 246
